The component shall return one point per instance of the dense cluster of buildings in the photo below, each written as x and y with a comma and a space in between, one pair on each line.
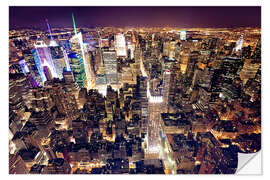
133, 100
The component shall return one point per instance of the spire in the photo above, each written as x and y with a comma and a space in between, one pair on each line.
74, 24
49, 28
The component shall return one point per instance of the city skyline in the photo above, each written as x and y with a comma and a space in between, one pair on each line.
185, 17
132, 100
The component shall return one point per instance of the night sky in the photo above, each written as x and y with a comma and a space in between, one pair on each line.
186, 17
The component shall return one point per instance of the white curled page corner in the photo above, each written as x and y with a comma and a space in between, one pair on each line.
249, 164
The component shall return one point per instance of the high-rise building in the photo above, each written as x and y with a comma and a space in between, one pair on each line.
34, 72
142, 83
183, 35
77, 46
77, 67
42, 58
120, 45
39, 66
65, 102
131, 49
166, 48
110, 63
17, 165
18, 93
166, 89
257, 51
58, 58
172, 50
249, 70
239, 43
231, 67
184, 58
24, 66
67, 67
192, 61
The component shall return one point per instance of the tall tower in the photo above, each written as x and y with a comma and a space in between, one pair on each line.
42, 58
77, 47
78, 69
110, 64
239, 43
183, 35
120, 45
66, 59
24, 66
49, 28
166, 89
57, 54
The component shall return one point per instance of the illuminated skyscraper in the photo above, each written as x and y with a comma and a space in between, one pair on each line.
110, 63
192, 61
67, 67
77, 47
249, 70
34, 75
77, 67
172, 50
58, 58
39, 66
24, 66
166, 48
58, 54
183, 35
142, 82
166, 89
120, 45
42, 58
257, 51
131, 48
239, 43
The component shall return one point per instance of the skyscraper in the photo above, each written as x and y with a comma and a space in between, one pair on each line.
131, 48
66, 59
77, 67
39, 66
183, 35
77, 47
120, 45
24, 66
42, 58
58, 58
239, 43
166, 89
249, 70
110, 63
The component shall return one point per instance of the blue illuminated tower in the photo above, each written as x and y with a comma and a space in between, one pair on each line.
39, 65
77, 67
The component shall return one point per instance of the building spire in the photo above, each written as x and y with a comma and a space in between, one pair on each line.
49, 28
74, 24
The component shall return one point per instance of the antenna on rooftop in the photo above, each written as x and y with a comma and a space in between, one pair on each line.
49, 28
74, 24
